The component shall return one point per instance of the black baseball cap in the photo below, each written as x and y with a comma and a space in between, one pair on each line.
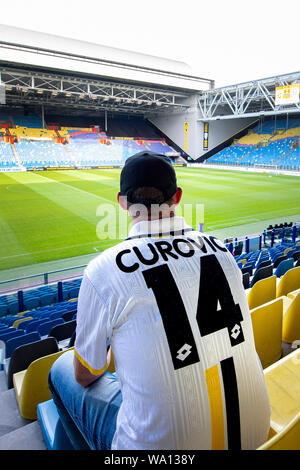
148, 169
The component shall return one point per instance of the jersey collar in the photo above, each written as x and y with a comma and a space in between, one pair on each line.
159, 228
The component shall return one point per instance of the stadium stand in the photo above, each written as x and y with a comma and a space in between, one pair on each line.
35, 146
7, 157
273, 143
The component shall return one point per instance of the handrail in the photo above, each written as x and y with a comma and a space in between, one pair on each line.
43, 274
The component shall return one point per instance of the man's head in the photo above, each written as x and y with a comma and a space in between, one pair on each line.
148, 186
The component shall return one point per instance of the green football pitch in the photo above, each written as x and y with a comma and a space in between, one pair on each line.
60, 214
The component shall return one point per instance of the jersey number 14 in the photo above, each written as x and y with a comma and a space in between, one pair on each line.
216, 309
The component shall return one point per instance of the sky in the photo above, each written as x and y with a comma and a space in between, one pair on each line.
229, 41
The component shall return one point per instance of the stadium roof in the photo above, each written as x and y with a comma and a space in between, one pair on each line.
254, 98
58, 73
54, 53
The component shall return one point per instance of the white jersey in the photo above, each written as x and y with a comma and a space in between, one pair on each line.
170, 302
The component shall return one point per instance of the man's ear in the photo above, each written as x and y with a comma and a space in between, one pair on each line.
122, 201
177, 197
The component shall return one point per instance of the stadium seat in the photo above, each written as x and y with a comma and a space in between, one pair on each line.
63, 331
264, 263
261, 273
292, 295
287, 250
68, 316
31, 385
247, 270
53, 433
14, 343
278, 260
246, 280
17, 323
45, 328
5, 336
296, 255
287, 439
289, 282
291, 321
284, 266
72, 340
33, 325
262, 292
283, 383
23, 356
52, 429
267, 330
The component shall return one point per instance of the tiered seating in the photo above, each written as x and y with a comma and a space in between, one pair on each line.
231, 155
93, 153
271, 143
13, 304
30, 133
44, 153
80, 146
159, 147
88, 149
7, 158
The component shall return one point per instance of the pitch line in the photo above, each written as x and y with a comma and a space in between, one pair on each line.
54, 249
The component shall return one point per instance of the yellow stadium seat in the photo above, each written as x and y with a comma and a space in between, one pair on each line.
244, 261
287, 250
283, 384
291, 321
287, 439
262, 292
21, 314
17, 322
289, 282
31, 385
267, 330
292, 295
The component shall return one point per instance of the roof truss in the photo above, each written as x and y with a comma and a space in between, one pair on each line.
246, 99
26, 87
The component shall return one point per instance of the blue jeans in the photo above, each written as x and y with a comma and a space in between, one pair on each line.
88, 414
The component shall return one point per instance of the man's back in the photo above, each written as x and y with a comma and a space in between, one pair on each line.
172, 306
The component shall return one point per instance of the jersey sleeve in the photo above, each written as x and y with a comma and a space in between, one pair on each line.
92, 330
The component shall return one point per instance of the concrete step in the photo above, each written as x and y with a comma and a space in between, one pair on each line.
27, 437
10, 418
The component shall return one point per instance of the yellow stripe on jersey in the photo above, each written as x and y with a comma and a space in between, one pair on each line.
87, 366
216, 407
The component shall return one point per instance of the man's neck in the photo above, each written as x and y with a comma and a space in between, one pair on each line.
136, 220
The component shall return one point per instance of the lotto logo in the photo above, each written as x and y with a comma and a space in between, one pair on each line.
184, 352
235, 331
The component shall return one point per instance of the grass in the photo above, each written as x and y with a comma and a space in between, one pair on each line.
58, 214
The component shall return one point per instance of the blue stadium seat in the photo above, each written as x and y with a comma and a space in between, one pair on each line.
45, 328
284, 266
11, 334
33, 325
14, 343
52, 429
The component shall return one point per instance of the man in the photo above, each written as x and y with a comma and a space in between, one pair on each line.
170, 303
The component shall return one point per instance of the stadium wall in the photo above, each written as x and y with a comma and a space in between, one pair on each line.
191, 141
220, 131
174, 127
